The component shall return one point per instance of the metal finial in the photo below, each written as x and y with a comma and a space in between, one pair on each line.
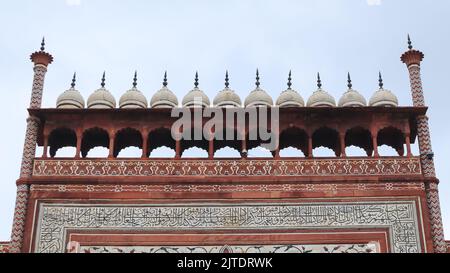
43, 44
196, 79
319, 81
409, 43
380, 80
74, 79
135, 79
227, 80
103, 79
349, 80
289, 84
165, 79
257, 78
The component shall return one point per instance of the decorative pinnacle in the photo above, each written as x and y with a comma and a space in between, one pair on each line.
227, 80
349, 80
135, 79
319, 81
165, 79
289, 84
74, 79
409, 43
196, 79
103, 80
257, 78
43, 44
380, 80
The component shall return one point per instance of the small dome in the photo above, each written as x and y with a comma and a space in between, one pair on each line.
133, 98
196, 98
290, 98
164, 98
101, 98
70, 99
383, 97
227, 98
258, 97
321, 98
352, 98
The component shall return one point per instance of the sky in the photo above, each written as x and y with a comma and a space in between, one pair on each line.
180, 36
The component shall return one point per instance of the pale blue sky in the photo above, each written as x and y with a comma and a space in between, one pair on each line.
181, 36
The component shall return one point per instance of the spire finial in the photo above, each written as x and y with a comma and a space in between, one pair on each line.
196, 79
349, 80
43, 44
74, 79
257, 78
103, 79
135, 79
165, 79
289, 84
319, 81
380, 80
409, 43
227, 80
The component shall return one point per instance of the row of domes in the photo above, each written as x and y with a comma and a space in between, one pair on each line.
164, 98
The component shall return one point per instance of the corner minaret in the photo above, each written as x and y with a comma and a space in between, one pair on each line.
413, 58
41, 60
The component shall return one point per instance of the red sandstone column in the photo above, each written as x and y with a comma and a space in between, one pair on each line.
41, 60
412, 58
310, 146
342, 144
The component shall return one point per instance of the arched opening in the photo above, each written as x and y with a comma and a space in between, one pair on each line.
227, 146
62, 138
291, 152
296, 139
129, 140
326, 138
256, 147
358, 142
161, 144
259, 152
193, 147
95, 138
391, 137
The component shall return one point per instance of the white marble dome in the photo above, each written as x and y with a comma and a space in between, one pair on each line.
227, 98
133, 98
384, 97
290, 98
196, 98
101, 99
352, 98
321, 98
258, 98
164, 98
70, 99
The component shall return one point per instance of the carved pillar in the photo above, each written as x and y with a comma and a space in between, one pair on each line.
79, 141
112, 140
145, 145
211, 149
41, 60
342, 144
45, 149
310, 146
178, 149
374, 133
412, 58
408, 144
244, 152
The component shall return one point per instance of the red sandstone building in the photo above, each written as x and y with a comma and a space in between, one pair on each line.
340, 204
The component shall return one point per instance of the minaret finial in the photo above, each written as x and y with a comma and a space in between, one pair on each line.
380, 80
227, 80
319, 81
74, 79
103, 79
257, 78
289, 84
196, 79
165, 79
43, 44
349, 80
409, 43
135, 79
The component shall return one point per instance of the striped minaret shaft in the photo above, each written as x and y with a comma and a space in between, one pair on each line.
413, 58
41, 60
